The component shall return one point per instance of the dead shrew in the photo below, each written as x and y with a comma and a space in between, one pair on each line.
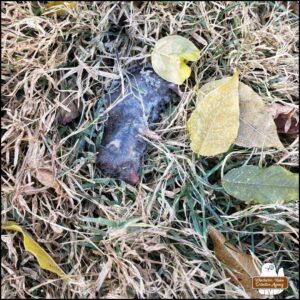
122, 148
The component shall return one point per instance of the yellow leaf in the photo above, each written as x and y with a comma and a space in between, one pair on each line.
63, 5
44, 259
213, 125
241, 265
169, 55
257, 128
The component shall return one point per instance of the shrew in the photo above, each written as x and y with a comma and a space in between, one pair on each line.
133, 114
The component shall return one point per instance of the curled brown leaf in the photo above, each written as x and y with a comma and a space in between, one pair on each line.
46, 177
285, 117
241, 266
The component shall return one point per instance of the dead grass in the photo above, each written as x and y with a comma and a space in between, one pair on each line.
160, 249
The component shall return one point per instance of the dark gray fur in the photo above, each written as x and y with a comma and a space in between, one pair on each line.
146, 95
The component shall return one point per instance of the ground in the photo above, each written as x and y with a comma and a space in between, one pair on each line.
149, 241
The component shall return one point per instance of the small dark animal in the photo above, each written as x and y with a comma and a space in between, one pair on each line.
146, 95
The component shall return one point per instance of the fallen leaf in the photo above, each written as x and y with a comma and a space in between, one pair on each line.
241, 265
169, 55
61, 5
213, 125
46, 177
262, 185
275, 109
44, 259
286, 118
287, 124
257, 127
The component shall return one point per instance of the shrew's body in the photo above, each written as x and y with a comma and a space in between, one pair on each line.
133, 115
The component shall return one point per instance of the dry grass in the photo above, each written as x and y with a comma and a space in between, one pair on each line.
149, 241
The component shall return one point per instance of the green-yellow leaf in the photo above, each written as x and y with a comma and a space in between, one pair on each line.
262, 185
61, 6
169, 55
44, 259
213, 125
257, 127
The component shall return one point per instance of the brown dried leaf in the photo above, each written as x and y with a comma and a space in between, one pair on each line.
242, 267
46, 177
286, 118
